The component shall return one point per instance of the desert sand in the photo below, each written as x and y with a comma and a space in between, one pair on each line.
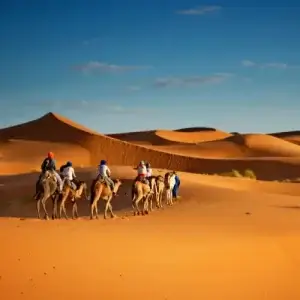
225, 238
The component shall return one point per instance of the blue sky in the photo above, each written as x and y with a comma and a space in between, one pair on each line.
126, 65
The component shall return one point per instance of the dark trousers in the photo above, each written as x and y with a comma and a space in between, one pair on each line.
175, 190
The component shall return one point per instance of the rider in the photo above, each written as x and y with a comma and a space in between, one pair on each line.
149, 173
49, 165
149, 170
142, 171
105, 173
68, 173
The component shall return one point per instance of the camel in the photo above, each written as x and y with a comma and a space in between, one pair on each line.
153, 193
101, 190
140, 191
169, 185
160, 188
69, 194
46, 187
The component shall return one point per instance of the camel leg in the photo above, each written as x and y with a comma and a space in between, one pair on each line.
151, 202
106, 208
44, 199
136, 203
133, 204
54, 210
64, 210
92, 210
111, 211
158, 200
146, 204
38, 207
74, 210
171, 197
161, 199
96, 209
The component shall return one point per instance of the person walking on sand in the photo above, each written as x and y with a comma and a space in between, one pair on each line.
176, 186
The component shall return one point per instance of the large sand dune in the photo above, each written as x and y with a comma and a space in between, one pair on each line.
53, 128
172, 137
237, 146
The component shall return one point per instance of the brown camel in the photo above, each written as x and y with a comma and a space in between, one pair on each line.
69, 194
140, 191
160, 189
101, 190
46, 188
153, 192
169, 185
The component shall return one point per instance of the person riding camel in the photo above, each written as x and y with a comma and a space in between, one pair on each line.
48, 164
149, 173
142, 171
105, 173
67, 173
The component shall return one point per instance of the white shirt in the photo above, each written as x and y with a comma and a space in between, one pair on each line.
104, 170
69, 173
142, 170
149, 172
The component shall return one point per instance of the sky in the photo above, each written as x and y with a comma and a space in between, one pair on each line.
128, 65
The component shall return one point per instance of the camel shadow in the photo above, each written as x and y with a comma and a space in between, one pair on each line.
16, 194
286, 206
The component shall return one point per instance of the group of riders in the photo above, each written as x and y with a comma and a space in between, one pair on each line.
67, 173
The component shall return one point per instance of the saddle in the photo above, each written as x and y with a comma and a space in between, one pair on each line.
72, 184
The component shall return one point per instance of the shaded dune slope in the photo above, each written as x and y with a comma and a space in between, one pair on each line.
252, 145
238, 146
56, 129
290, 136
169, 137
142, 138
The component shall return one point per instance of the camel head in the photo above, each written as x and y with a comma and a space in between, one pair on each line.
118, 183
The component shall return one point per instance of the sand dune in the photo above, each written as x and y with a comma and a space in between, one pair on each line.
238, 146
53, 128
290, 136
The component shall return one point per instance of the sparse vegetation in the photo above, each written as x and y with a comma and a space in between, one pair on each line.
235, 173
249, 174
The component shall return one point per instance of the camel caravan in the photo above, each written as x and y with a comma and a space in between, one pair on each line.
65, 188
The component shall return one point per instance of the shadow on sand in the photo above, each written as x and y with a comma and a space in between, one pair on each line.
286, 206
16, 197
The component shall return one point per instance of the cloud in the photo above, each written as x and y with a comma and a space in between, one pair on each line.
191, 81
96, 66
200, 10
89, 107
274, 65
133, 88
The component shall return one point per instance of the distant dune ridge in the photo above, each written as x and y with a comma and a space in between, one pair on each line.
198, 150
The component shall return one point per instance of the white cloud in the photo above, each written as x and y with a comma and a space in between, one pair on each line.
201, 10
96, 66
274, 65
192, 80
248, 63
133, 88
